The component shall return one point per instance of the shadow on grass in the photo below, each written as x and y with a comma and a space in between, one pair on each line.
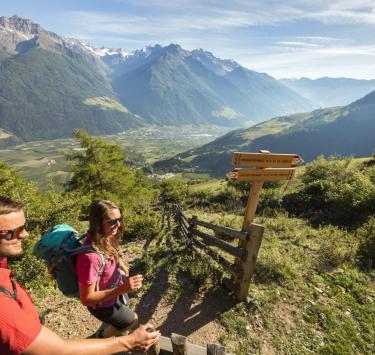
191, 311
147, 305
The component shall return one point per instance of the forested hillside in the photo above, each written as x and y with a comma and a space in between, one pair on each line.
46, 95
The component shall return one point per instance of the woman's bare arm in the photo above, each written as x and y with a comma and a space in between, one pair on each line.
90, 297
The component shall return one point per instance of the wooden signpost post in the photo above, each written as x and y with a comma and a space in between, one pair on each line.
266, 167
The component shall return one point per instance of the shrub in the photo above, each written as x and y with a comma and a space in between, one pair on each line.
336, 247
269, 201
142, 226
273, 266
173, 191
334, 191
366, 249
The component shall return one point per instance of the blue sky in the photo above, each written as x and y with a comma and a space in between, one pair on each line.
289, 38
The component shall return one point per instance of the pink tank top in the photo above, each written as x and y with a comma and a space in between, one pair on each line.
88, 268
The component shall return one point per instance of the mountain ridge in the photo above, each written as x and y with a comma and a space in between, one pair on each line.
344, 130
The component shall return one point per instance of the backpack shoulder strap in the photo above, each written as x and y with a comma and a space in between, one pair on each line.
8, 293
102, 267
101, 270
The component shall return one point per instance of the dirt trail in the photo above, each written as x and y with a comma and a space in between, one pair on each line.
192, 315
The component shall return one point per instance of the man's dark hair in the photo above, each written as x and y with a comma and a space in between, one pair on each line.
8, 205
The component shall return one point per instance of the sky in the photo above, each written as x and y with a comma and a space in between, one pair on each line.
290, 38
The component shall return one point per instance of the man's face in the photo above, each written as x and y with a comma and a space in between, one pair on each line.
9, 222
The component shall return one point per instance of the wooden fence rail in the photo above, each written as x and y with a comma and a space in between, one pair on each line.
245, 254
179, 345
230, 249
223, 230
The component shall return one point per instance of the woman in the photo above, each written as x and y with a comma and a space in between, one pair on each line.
103, 278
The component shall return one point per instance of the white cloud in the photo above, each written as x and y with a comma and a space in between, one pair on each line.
234, 30
162, 18
346, 61
297, 44
266, 12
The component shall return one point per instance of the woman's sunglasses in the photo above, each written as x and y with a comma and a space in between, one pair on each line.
114, 221
12, 233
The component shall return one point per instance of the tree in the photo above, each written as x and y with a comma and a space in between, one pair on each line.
99, 169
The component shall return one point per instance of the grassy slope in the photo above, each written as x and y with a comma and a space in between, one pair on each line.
307, 296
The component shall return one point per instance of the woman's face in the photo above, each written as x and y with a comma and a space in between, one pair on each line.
112, 223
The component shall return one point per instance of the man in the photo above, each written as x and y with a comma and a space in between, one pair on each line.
20, 328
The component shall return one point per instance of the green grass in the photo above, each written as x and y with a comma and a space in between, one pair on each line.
105, 103
307, 296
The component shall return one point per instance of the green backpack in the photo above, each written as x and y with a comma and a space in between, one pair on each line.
59, 247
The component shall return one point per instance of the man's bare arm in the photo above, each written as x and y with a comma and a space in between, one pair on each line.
49, 343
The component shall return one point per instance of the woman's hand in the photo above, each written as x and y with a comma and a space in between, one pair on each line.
126, 271
124, 267
133, 283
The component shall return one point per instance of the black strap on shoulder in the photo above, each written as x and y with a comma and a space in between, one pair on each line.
7, 292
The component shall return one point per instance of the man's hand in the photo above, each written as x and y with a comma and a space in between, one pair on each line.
133, 283
141, 339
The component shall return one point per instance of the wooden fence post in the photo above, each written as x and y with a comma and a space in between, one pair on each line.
248, 264
170, 211
178, 344
192, 226
251, 207
215, 349
154, 349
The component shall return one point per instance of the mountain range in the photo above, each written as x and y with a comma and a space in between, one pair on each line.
50, 84
346, 130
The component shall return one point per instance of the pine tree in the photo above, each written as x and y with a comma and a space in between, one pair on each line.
99, 169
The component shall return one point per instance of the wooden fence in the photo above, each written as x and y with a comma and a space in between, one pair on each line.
245, 254
178, 345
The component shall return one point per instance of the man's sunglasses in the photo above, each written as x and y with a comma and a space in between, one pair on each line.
114, 221
12, 233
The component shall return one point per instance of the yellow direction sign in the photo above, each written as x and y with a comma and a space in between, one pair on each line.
270, 174
264, 160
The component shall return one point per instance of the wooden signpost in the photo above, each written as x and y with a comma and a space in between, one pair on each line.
266, 160
266, 167
267, 174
